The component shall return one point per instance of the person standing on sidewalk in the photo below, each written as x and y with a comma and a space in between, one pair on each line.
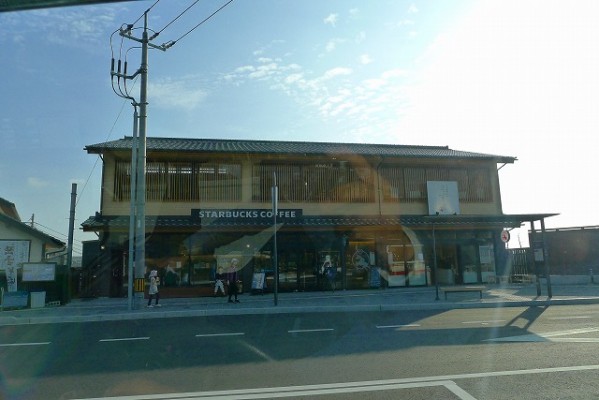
153, 290
219, 278
232, 280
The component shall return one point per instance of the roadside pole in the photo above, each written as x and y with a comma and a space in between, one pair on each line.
140, 209
137, 223
70, 238
275, 206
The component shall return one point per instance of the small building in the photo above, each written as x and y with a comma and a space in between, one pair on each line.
21, 243
384, 215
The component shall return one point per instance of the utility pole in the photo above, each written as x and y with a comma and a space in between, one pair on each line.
137, 225
70, 238
140, 237
275, 210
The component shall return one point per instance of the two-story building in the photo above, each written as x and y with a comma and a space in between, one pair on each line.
385, 215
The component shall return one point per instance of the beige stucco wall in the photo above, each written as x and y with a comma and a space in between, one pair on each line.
110, 207
36, 246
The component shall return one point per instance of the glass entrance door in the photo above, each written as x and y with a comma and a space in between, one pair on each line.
468, 266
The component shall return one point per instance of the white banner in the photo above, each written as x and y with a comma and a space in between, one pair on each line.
13, 253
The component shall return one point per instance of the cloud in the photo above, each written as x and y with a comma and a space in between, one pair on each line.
337, 93
263, 71
335, 72
413, 9
365, 59
331, 19
360, 37
374, 83
405, 22
394, 73
37, 183
181, 94
332, 44
81, 27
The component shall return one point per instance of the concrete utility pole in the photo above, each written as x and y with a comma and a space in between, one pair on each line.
137, 225
71, 226
140, 237
70, 237
132, 212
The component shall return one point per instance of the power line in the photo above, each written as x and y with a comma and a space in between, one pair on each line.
142, 15
172, 42
53, 231
175, 19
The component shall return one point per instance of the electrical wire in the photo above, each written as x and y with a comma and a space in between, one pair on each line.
171, 43
148, 10
79, 244
98, 158
175, 19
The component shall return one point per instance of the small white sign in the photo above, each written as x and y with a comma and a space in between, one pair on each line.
443, 198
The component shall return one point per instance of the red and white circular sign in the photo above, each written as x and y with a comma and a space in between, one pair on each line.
505, 236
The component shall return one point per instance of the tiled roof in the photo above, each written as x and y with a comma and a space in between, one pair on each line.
158, 144
98, 222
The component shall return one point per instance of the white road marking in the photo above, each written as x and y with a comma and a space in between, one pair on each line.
458, 391
24, 344
257, 351
350, 387
125, 339
571, 317
550, 337
220, 334
493, 321
397, 326
575, 340
310, 330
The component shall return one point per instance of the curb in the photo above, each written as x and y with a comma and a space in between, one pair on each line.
295, 309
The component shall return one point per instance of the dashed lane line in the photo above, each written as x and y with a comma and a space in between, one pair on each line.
310, 330
127, 339
225, 334
397, 326
24, 344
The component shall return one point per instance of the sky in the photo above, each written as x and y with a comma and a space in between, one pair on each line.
514, 78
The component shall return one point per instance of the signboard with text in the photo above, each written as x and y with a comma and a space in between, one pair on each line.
39, 272
13, 253
244, 214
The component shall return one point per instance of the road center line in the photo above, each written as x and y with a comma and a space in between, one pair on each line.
310, 330
220, 334
125, 339
397, 326
24, 344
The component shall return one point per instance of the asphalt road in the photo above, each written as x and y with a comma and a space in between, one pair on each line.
500, 353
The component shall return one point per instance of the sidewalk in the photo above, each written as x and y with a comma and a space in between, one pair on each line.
111, 309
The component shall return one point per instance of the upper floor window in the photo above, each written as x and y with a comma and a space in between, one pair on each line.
327, 182
409, 183
182, 181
